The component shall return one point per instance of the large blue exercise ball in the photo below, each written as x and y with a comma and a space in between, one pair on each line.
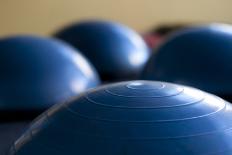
132, 118
199, 57
37, 72
117, 52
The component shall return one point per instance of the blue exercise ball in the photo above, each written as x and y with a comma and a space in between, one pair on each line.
117, 52
37, 72
199, 57
132, 118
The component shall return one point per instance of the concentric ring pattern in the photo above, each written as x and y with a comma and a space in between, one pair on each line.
133, 118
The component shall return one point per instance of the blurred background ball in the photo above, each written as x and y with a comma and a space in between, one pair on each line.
133, 118
117, 52
36, 73
199, 57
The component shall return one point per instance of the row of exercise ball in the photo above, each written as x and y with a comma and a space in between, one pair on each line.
197, 56
39, 72
188, 57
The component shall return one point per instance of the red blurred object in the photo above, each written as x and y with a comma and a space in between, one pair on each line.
153, 40
157, 35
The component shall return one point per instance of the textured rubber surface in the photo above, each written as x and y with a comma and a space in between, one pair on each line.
133, 118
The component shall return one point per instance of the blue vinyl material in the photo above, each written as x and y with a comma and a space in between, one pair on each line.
133, 118
37, 72
117, 52
199, 57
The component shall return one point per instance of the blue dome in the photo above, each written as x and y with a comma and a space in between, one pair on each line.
199, 57
37, 72
133, 118
117, 52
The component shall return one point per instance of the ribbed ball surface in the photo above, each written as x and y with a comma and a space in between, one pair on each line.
133, 118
